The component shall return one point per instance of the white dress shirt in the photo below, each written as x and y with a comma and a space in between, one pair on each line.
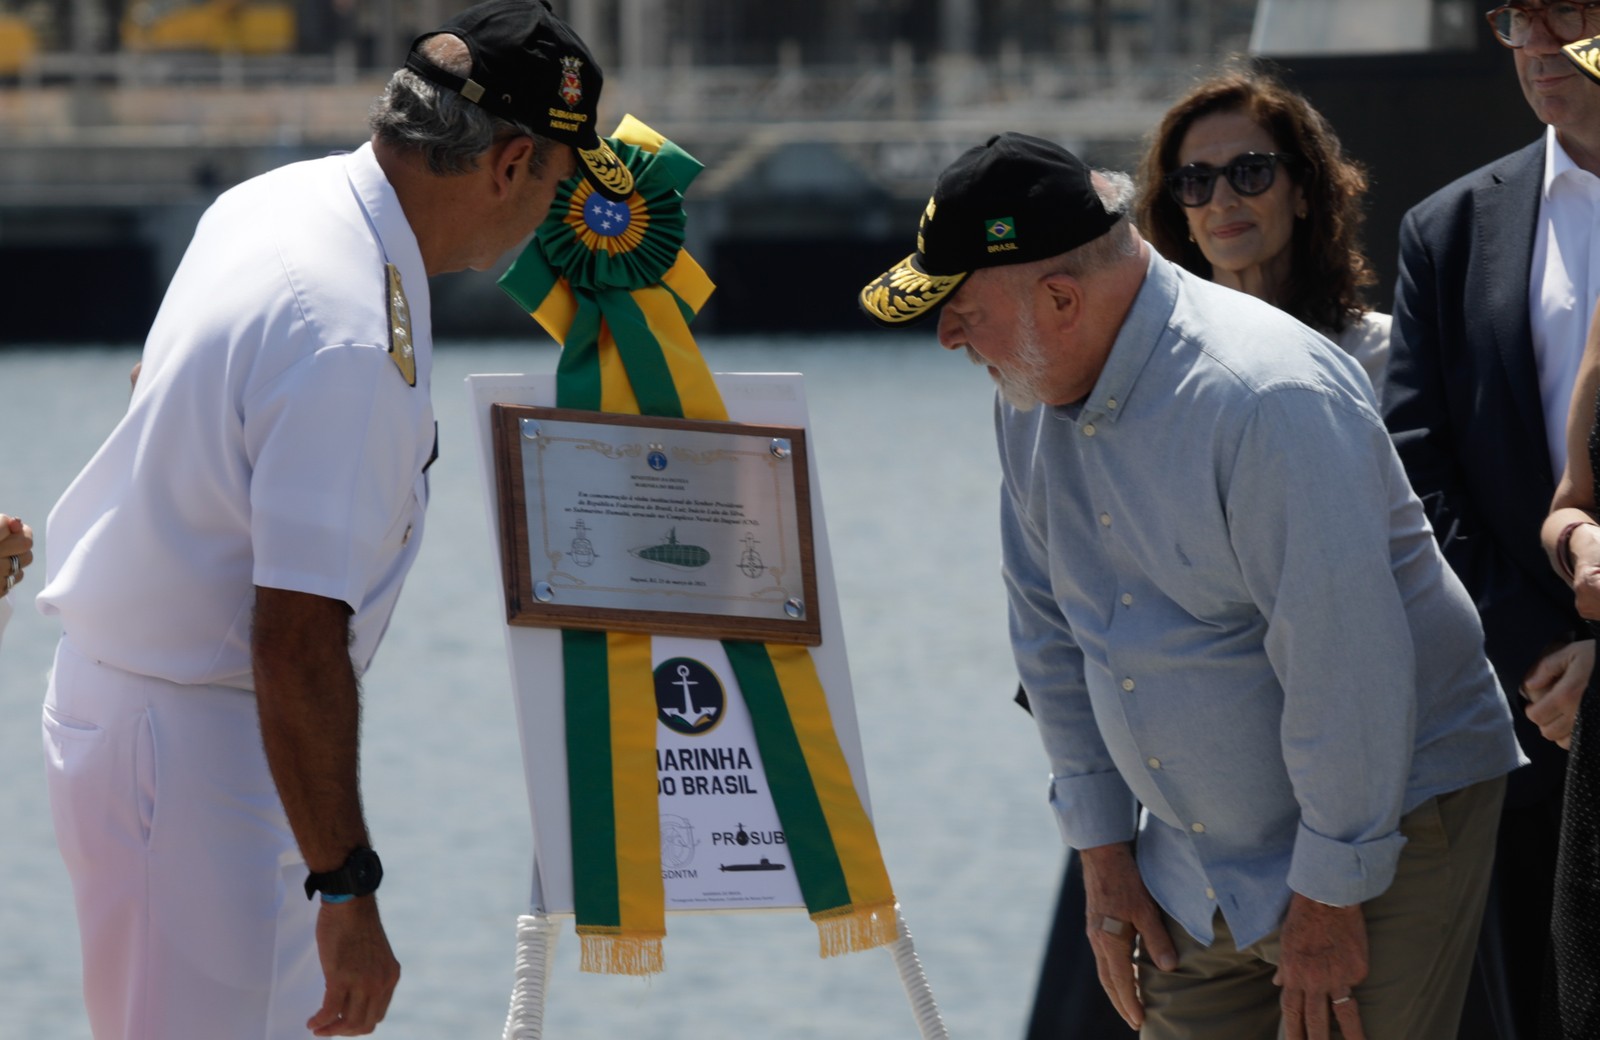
1563, 285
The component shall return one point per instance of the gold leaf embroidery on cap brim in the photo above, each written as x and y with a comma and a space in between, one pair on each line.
1586, 55
907, 293
608, 169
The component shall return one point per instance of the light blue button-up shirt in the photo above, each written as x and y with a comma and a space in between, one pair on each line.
1228, 607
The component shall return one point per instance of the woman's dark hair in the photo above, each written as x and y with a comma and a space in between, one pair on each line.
1327, 267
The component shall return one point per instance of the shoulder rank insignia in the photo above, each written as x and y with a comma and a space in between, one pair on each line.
400, 349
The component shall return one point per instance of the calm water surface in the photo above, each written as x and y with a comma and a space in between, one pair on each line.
901, 432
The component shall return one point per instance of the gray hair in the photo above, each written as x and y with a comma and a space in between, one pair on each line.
448, 131
1117, 192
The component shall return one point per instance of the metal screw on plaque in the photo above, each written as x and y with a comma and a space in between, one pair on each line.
794, 608
543, 592
780, 447
530, 429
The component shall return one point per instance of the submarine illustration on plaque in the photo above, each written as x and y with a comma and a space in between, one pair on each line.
673, 553
743, 838
765, 864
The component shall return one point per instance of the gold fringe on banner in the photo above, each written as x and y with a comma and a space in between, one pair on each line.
851, 929
617, 954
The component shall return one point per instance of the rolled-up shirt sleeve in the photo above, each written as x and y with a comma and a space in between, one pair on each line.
1310, 499
1092, 802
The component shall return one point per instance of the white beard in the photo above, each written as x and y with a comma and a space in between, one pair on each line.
1021, 381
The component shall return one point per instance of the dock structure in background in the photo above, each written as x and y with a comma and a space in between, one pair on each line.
820, 121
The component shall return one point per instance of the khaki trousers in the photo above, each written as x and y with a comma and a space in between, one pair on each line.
1421, 935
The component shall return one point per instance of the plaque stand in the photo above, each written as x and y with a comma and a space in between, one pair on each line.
538, 933
534, 658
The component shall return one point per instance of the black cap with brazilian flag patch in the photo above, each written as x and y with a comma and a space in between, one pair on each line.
529, 67
1586, 55
1013, 200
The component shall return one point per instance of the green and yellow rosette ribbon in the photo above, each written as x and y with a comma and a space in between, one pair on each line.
611, 282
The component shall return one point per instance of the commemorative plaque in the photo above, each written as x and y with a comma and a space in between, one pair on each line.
614, 522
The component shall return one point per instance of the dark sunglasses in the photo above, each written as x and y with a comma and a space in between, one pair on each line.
1249, 174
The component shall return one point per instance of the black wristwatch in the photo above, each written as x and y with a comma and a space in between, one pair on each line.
359, 876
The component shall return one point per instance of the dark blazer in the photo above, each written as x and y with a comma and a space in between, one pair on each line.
1462, 403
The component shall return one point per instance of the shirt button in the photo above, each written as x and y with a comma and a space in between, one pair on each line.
1211, 893
405, 539
1155, 763
1105, 519
1088, 431
1127, 599
1198, 828
1111, 403
1127, 685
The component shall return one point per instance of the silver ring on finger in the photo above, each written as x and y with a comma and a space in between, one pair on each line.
1347, 998
16, 566
1112, 926
11, 580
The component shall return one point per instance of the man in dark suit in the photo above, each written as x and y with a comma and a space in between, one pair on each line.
1495, 289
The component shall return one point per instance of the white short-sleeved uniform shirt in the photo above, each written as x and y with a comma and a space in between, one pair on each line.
272, 439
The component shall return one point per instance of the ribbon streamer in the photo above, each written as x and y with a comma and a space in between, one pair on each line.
611, 282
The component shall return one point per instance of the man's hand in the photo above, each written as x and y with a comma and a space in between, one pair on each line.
1555, 685
358, 968
1323, 957
16, 544
1119, 908
310, 710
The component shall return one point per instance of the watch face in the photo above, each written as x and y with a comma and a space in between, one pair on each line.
365, 870
358, 876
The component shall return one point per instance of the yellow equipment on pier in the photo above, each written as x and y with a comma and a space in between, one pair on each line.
18, 44
210, 26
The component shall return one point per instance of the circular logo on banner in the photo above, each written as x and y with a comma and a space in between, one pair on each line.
605, 217
689, 696
677, 841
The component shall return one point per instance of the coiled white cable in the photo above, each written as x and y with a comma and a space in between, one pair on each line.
536, 954
916, 983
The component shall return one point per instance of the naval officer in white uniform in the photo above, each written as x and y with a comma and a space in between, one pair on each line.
225, 565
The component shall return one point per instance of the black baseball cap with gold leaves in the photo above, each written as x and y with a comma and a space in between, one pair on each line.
1012, 200
1585, 54
528, 66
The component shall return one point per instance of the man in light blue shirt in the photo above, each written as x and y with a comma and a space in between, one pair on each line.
1228, 608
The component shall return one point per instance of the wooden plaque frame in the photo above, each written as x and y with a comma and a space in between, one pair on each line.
524, 606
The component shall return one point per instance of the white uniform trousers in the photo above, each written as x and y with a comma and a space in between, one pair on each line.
187, 880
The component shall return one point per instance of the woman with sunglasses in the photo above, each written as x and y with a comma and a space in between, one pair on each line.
1245, 183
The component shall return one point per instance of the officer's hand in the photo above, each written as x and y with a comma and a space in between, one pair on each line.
358, 968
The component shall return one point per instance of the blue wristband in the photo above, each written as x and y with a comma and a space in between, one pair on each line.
328, 900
